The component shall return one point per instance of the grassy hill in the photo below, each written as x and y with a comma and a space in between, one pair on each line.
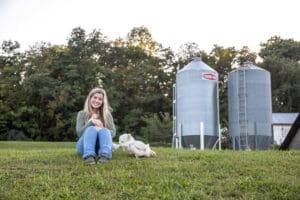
53, 170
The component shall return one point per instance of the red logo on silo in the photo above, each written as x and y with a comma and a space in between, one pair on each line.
209, 76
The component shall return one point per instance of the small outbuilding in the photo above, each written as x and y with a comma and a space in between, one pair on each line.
281, 125
292, 140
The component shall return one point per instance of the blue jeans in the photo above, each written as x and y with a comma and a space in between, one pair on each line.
93, 142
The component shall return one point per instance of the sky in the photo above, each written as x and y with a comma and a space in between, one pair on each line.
230, 23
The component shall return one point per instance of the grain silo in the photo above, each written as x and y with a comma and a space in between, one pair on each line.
195, 106
250, 107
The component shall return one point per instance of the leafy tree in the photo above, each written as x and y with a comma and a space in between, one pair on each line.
141, 37
283, 48
135, 73
158, 129
57, 80
245, 55
281, 57
187, 52
11, 95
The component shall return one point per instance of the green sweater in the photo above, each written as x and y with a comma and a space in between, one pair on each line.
81, 126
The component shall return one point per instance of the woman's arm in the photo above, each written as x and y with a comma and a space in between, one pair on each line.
111, 125
80, 123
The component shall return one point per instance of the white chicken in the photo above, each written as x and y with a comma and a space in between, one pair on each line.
126, 137
135, 147
115, 147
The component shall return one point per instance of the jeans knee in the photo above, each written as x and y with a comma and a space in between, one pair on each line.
91, 130
104, 131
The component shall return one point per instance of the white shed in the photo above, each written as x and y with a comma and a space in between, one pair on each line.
292, 140
281, 124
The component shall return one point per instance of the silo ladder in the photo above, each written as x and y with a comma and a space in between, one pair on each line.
242, 110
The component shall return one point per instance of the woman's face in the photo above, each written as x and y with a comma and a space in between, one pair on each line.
97, 101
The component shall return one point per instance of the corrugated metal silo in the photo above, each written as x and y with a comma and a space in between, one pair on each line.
250, 107
195, 106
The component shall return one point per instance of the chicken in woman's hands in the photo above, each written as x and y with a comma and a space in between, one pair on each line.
97, 122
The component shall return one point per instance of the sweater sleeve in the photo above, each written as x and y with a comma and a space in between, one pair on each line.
80, 123
111, 125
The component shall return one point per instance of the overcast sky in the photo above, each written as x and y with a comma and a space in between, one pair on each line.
171, 22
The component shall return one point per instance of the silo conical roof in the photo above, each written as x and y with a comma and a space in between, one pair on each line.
197, 64
249, 65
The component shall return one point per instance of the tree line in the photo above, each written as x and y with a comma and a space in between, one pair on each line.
43, 88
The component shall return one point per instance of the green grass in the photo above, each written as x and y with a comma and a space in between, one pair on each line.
53, 170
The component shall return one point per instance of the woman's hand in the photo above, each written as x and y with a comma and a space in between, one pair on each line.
98, 128
97, 123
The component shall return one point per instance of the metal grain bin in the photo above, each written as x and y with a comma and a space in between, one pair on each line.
250, 107
195, 106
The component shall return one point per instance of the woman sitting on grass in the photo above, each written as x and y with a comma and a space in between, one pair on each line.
95, 128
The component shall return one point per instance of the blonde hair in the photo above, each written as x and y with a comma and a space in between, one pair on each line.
104, 110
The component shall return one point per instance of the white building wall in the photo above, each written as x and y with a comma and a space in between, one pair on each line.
280, 132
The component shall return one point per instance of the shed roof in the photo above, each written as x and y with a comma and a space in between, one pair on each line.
284, 118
